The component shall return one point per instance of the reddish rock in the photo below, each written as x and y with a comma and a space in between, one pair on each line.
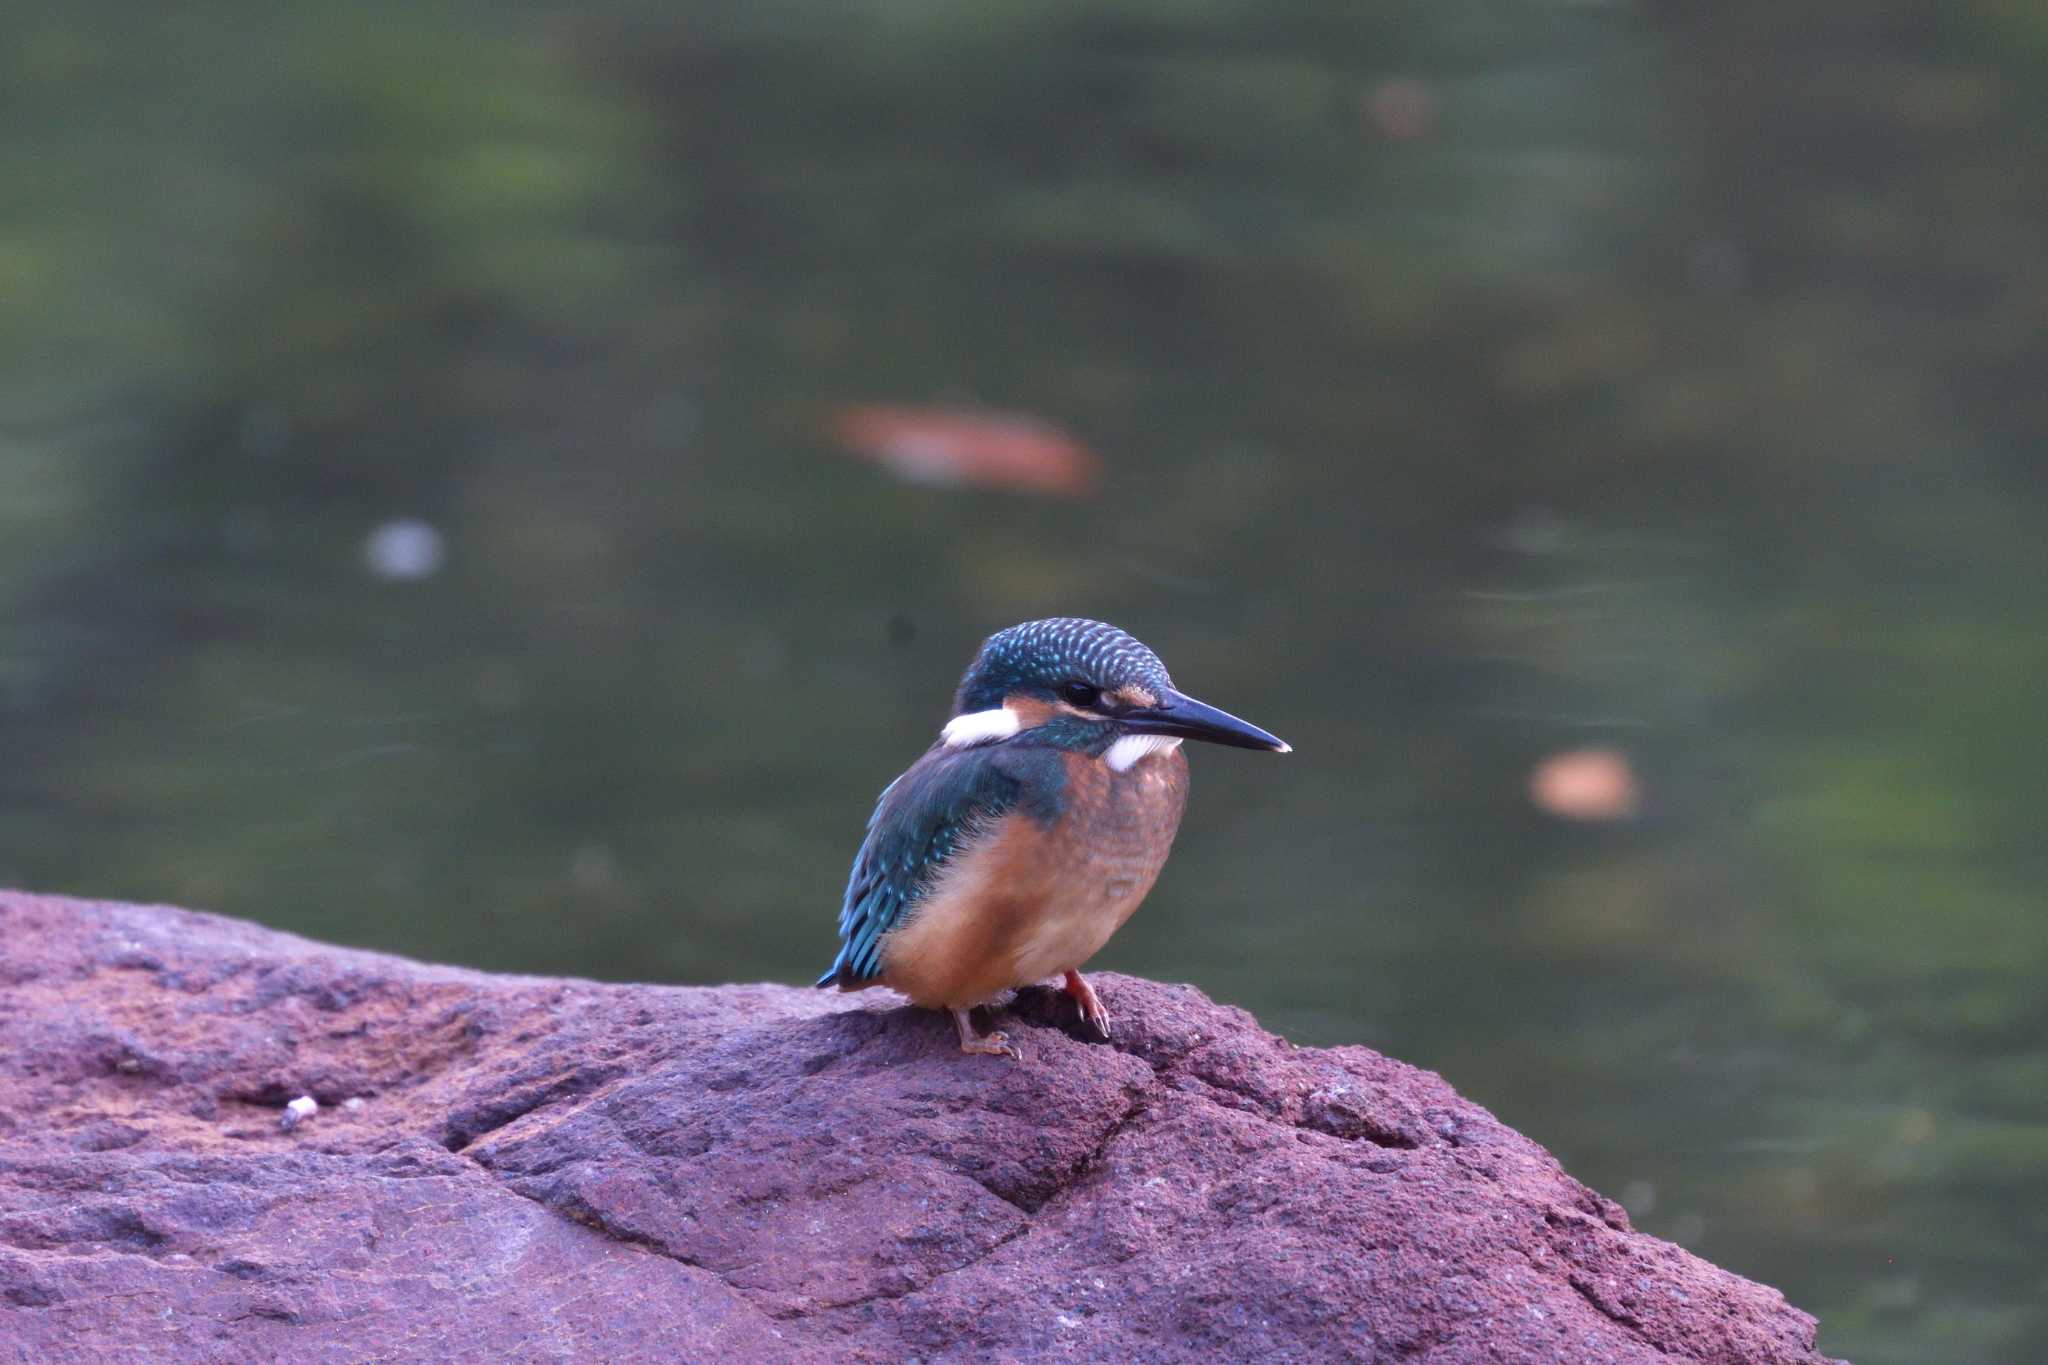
514, 1168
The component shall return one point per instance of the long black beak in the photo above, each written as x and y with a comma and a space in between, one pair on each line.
1191, 719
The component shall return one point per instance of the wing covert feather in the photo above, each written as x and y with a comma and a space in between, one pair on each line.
923, 819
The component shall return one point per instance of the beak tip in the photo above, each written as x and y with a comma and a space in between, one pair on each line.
1284, 748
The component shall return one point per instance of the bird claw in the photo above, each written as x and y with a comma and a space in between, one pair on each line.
1092, 1009
995, 1044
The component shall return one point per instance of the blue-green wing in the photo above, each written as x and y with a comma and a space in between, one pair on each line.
922, 819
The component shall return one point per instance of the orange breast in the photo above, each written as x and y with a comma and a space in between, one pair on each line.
1026, 901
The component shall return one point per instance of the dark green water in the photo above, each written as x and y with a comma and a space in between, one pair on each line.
1475, 382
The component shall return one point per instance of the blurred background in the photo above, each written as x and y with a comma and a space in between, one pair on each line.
509, 483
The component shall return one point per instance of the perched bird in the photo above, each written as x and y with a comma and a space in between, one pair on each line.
1028, 833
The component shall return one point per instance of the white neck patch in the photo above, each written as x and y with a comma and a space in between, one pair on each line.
980, 727
1121, 755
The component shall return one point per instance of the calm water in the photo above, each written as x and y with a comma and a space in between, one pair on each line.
419, 528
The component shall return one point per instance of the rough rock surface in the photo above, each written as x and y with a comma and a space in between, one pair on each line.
508, 1168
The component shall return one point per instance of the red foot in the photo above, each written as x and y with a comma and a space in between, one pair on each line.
1090, 1003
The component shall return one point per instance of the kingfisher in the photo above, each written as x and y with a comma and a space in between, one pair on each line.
1031, 829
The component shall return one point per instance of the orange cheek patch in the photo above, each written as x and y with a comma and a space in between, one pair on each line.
1130, 694
1031, 712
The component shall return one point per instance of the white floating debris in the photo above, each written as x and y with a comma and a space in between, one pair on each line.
298, 1111
404, 550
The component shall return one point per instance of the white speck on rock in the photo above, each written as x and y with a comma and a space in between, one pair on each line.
298, 1111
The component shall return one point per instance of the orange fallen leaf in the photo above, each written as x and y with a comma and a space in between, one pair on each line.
968, 447
1585, 784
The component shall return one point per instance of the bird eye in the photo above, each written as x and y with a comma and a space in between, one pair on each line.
1079, 693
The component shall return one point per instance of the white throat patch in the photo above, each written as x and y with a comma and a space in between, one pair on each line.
1121, 755
980, 727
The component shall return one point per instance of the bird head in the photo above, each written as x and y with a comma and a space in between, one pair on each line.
1090, 680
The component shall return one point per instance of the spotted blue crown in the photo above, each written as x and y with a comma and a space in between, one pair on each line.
1041, 656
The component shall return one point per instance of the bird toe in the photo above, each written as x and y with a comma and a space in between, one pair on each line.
996, 1044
